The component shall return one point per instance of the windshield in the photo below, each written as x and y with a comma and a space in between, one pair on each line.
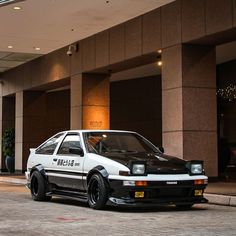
116, 142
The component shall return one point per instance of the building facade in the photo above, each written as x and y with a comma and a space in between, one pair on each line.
176, 109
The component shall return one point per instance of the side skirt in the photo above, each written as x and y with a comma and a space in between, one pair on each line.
81, 196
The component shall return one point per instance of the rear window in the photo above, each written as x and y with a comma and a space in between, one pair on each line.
49, 147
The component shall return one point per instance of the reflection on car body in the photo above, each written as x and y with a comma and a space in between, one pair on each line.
112, 167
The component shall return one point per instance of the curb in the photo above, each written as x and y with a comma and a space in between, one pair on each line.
223, 200
13, 180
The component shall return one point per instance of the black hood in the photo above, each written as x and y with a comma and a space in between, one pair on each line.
156, 163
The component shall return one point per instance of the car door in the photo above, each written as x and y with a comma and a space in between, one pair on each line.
69, 165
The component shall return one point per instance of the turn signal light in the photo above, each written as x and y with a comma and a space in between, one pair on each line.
124, 173
198, 181
140, 183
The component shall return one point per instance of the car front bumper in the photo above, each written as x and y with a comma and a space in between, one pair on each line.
157, 193
156, 202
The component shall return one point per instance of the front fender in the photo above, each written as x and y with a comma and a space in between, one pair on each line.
100, 170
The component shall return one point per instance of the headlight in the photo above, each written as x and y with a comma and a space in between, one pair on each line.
196, 168
138, 169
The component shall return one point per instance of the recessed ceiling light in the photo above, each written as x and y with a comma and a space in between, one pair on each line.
159, 51
17, 8
37, 48
10, 46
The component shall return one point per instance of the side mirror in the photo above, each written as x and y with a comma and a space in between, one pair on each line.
77, 151
162, 149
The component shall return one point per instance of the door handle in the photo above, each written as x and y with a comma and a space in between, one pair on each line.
54, 159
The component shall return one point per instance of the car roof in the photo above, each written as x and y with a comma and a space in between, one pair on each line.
96, 131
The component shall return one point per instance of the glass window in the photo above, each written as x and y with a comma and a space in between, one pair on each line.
116, 142
49, 147
71, 140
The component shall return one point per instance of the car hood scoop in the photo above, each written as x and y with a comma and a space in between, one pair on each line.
156, 163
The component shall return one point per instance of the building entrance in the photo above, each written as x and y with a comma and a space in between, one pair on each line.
226, 74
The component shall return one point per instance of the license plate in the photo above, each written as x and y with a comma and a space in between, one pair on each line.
198, 193
139, 194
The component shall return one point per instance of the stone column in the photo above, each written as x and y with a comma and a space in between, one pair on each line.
19, 132
1, 156
76, 102
35, 122
189, 104
90, 101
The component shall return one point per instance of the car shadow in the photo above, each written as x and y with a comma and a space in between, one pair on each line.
67, 201
130, 209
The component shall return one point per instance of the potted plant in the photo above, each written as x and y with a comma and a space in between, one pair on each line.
8, 148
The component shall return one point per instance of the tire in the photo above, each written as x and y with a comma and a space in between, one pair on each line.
38, 187
97, 192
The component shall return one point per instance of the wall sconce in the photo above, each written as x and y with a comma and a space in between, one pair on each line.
159, 63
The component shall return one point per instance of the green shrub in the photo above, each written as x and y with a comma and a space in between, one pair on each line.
8, 142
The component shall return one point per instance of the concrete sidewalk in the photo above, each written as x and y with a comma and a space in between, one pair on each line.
220, 193
14, 179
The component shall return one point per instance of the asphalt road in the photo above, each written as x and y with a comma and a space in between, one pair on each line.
19, 215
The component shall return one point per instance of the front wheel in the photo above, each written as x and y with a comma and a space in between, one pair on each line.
38, 187
97, 192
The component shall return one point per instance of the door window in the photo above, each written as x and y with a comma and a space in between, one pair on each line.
70, 141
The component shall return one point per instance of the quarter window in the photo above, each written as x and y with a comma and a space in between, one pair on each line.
49, 147
70, 141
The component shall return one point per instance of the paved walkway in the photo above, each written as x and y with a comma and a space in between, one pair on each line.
220, 193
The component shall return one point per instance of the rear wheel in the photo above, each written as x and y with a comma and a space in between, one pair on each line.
38, 187
97, 192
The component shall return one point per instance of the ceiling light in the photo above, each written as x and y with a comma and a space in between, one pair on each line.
159, 51
10, 46
159, 63
17, 8
37, 48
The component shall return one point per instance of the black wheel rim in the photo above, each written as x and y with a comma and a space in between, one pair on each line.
35, 186
94, 191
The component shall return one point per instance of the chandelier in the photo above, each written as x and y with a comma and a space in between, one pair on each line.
228, 93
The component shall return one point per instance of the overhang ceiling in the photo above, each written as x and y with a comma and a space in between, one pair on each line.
52, 24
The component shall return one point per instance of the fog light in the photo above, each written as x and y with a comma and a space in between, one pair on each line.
198, 192
139, 194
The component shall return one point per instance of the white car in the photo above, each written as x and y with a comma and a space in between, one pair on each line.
112, 167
